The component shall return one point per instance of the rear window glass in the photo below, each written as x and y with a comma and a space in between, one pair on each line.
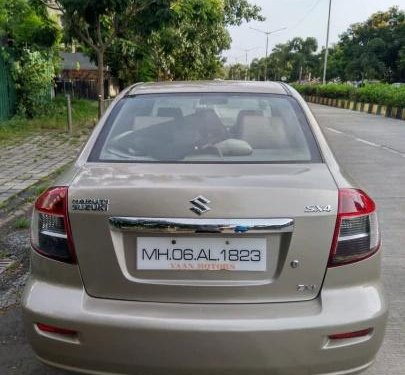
206, 128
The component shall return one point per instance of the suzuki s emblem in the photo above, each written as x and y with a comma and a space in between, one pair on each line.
200, 205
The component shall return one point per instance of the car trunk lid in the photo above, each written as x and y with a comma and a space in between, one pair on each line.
289, 210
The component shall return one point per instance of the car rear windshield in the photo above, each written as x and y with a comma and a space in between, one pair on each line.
207, 128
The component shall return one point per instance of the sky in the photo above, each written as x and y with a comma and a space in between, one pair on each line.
302, 18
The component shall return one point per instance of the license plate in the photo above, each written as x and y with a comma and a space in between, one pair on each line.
201, 254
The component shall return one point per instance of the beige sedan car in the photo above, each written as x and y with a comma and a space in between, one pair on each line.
206, 228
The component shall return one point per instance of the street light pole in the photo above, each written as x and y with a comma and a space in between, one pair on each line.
246, 63
325, 66
246, 50
267, 53
267, 33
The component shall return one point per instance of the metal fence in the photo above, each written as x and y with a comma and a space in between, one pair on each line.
83, 89
7, 92
86, 89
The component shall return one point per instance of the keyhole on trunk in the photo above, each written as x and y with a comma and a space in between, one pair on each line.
173, 242
295, 263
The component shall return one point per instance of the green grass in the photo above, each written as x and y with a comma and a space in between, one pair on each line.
4, 254
22, 223
38, 189
84, 114
12, 267
35, 191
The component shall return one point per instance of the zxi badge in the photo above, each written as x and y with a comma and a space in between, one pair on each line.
200, 205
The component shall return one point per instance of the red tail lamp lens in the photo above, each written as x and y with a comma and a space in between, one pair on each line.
357, 235
50, 231
355, 202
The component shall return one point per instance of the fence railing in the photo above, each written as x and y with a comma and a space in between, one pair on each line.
85, 89
77, 89
7, 92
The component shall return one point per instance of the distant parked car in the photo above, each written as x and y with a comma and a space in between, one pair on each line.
206, 228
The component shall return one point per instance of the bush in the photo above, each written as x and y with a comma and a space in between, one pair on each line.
334, 91
305, 89
383, 94
33, 75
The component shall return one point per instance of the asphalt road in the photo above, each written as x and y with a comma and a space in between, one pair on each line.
372, 151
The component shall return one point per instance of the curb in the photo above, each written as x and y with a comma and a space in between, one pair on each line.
397, 113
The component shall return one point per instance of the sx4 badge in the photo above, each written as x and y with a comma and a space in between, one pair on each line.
318, 208
90, 204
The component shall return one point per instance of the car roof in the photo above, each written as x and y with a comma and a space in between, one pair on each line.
209, 87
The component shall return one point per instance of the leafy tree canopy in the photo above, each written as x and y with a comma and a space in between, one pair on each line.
238, 11
294, 60
374, 49
154, 39
23, 25
371, 50
186, 44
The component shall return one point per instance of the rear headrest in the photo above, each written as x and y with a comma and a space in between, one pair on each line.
248, 112
173, 112
263, 132
209, 124
236, 130
141, 122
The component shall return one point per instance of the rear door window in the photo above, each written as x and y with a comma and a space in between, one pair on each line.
207, 128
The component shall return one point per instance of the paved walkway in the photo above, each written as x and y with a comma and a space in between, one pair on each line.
31, 159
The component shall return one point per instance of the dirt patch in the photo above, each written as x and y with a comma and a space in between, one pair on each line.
15, 246
15, 217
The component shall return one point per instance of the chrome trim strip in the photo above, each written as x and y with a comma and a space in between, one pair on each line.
53, 234
179, 226
354, 237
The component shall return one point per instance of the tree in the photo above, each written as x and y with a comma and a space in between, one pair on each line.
176, 39
238, 11
256, 69
24, 26
187, 44
303, 56
237, 72
293, 60
372, 49
190, 48
96, 23
280, 62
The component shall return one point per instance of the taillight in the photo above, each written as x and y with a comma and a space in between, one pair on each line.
50, 229
357, 233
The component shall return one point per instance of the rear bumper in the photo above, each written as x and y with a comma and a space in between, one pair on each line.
119, 337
